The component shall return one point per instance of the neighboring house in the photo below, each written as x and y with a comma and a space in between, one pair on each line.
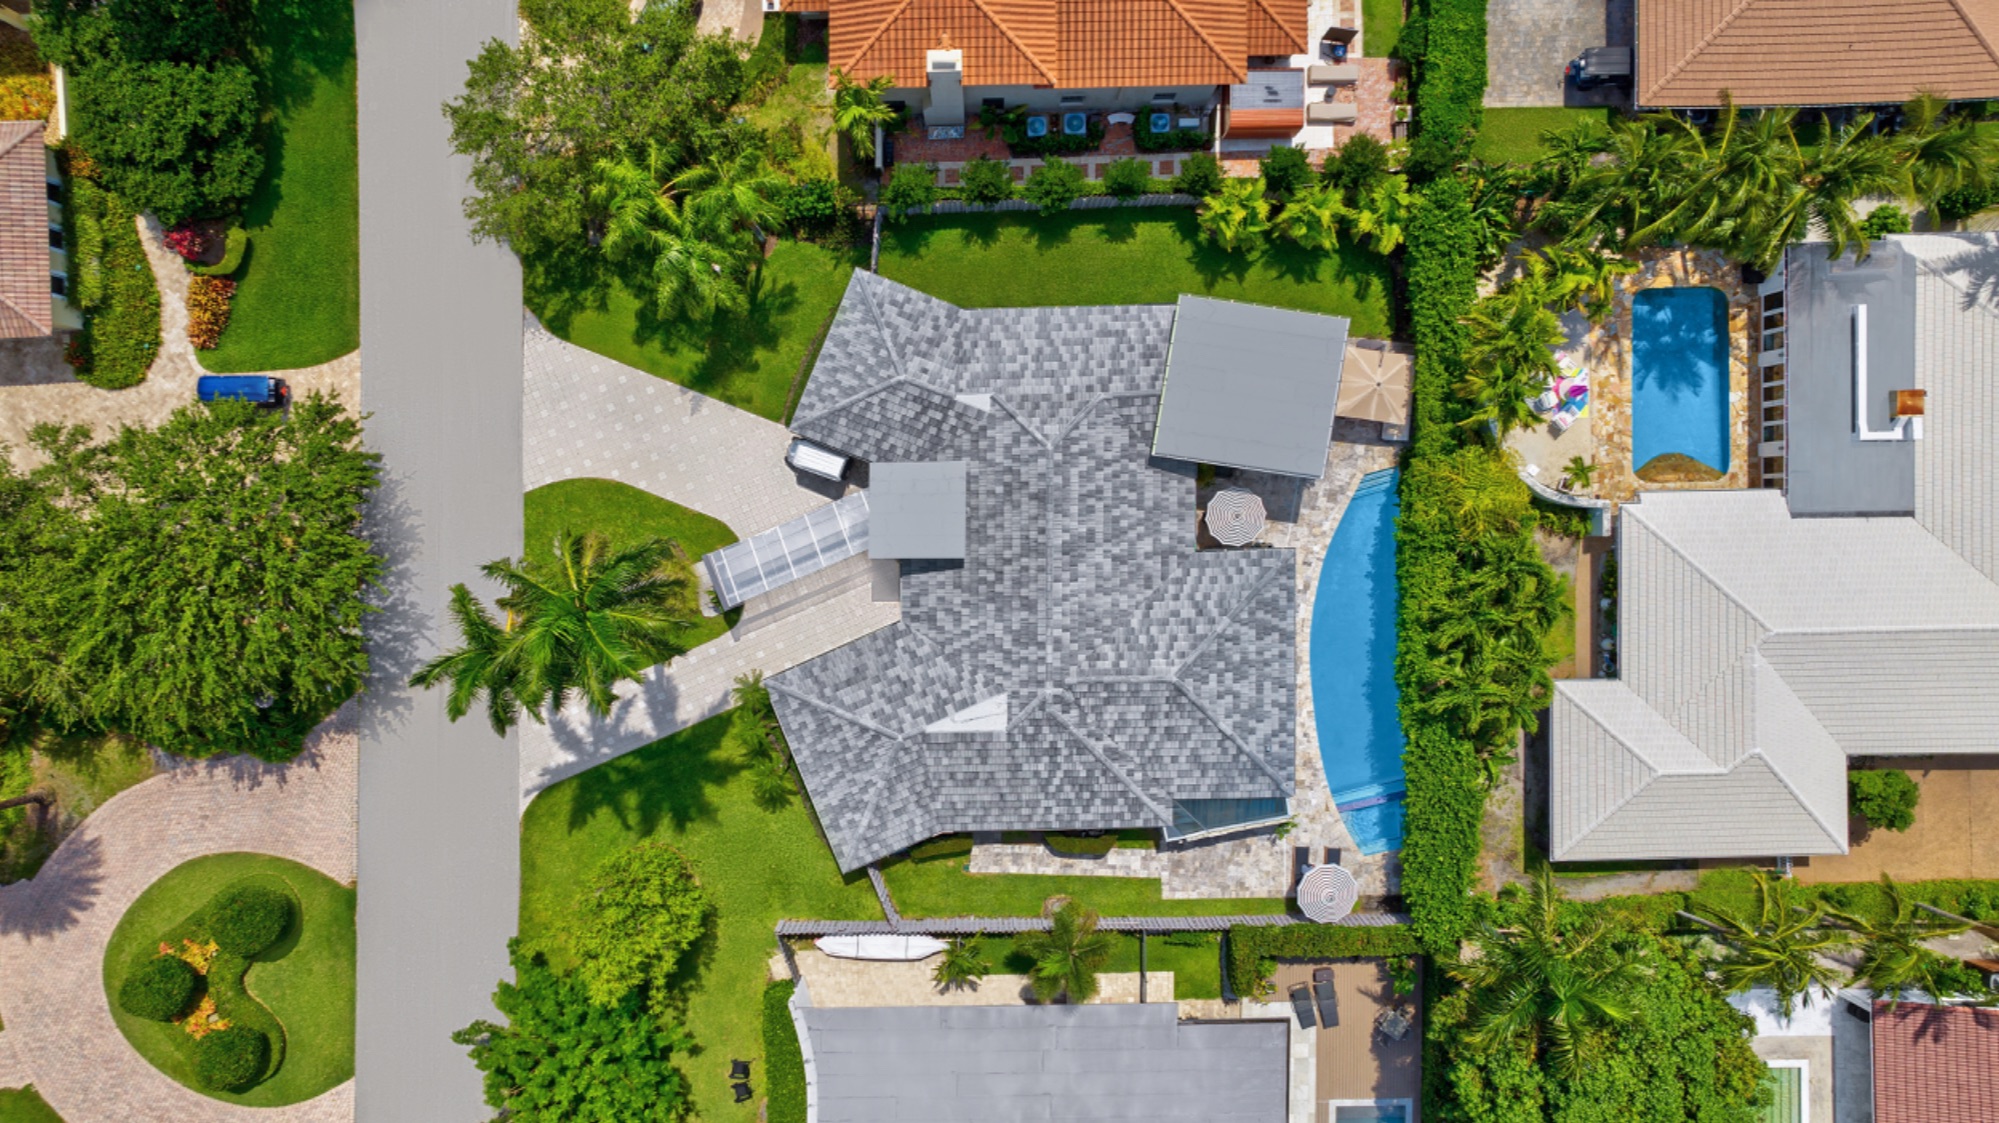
1814, 52
1934, 1063
1766, 637
1066, 659
920, 1064
34, 272
950, 57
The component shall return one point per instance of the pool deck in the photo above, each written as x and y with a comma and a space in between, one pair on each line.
1604, 437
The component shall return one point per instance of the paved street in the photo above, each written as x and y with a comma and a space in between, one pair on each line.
440, 329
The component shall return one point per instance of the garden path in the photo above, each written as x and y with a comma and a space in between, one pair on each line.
36, 385
54, 928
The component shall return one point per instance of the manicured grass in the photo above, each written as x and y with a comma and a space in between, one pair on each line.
306, 980
1513, 136
759, 866
1197, 971
81, 771
748, 361
1124, 256
941, 887
25, 1105
628, 516
299, 300
1381, 26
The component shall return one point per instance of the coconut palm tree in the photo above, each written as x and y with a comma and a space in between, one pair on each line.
1579, 471
1068, 956
1939, 153
1893, 960
692, 273
1510, 359
1581, 278
577, 622
858, 108
728, 200
1848, 166
1312, 218
963, 964
1555, 987
1237, 217
1780, 947
1382, 213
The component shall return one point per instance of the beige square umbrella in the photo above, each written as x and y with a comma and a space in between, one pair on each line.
1374, 385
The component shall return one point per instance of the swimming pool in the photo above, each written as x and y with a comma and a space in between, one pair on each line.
1679, 375
1353, 667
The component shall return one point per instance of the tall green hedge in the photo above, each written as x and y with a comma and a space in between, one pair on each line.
1447, 42
784, 1061
114, 289
1252, 951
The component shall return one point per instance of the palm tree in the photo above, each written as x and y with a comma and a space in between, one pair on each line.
1585, 279
1312, 217
1510, 360
1382, 215
1780, 947
1942, 154
728, 200
858, 108
1579, 471
692, 275
963, 964
1851, 164
1236, 217
1893, 960
1551, 986
1068, 956
578, 623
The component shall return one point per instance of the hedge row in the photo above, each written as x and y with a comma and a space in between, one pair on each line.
784, 1061
114, 289
1253, 952
1446, 40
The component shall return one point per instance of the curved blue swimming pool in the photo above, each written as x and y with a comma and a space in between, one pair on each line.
1353, 667
1679, 375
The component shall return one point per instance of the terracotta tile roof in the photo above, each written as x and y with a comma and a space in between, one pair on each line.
1815, 52
1934, 1063
1072, 44
25, 306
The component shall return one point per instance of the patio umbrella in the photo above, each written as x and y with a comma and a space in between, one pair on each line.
1374, 385
1327, 893
1234, 517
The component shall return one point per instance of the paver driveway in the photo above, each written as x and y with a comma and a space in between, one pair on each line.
53, 929
1530, 42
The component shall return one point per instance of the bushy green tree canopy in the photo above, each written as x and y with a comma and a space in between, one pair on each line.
175, 140
642, 909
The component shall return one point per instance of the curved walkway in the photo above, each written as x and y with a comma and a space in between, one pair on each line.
53, 929
36, 385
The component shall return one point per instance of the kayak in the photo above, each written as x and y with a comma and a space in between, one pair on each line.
904, 948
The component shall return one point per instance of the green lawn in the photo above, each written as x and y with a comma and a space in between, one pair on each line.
1124, 256
627, 515
1381, 26
941, 887
1197, 972
299, 300
25, 1105
81, 771
748, 361
759, 866
1513, 136
306, 980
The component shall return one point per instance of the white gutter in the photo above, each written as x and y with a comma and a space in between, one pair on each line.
1900, 429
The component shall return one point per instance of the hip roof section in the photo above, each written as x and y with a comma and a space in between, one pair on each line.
27, 309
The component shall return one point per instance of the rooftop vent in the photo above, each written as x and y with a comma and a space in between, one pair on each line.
1909, 403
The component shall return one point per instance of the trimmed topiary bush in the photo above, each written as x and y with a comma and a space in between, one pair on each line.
235, 243
1077, 846
232, 1059
250, 919
161, 989
784, 1060
1884, 797
985, 181
1200, 176
1128, 178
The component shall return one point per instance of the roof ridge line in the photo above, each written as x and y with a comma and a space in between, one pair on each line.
48, 326
1706, 40
851, 399
836, 711
874, 310
1726, 592
1757, 749
1750, 654
19, 135
1091, 747
1005, 30
1228, 734
1022, 422
1228, 618
1276, 19
881, 29
1643, 761
1977, 32
1239, 73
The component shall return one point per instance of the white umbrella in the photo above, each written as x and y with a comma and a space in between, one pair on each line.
1234, 517
1327, 893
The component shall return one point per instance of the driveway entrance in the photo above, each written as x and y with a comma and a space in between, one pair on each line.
1955, 834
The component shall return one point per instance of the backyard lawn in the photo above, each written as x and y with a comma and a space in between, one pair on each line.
942, 887
1513, 136
627, 516
25, 1105
305, 980
80, 771
748, 361
1124, 256
299, 300
1197, 971
1380, 27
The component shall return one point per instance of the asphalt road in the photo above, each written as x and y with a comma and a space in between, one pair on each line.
441, 374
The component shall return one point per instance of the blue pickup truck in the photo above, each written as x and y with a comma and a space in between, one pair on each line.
259, 388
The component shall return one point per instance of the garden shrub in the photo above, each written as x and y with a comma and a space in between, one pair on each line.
208, 301
911, 187
160, 989
250, 918
1885, 797
1955, 206
1077, 846
985, 180
784, 1061
234, 245
1286, 170
1200, 175
114, 289
1127, 178
231, 1059
186, 241
1885, 219
941, 848
1449, 52
641, 909
1189, 939
1253, 951
1054, 185
1356, 165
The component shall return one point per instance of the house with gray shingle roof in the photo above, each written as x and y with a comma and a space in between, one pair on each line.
1082, 666
1767, 637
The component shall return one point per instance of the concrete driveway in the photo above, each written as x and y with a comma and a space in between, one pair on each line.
1529, 42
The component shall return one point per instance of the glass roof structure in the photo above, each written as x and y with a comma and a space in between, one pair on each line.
783, 554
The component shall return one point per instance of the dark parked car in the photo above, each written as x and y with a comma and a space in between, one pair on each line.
1601, 66
259, 388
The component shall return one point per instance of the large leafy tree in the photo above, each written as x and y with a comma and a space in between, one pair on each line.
1781, 946
199, 586
176, 140
1893, 958
1237, 217
1068, 956
643, 907
1312, 217
578, 621
562, 1058
1511, 356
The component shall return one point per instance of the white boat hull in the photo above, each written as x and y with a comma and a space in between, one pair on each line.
896, 948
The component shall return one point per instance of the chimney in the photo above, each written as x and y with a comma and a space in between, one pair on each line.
946, 69
1909, 403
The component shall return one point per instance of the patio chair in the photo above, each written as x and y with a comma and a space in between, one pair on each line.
1546, 403
1328, 998
1331, 113
1564, 417
1120, 118
739, 1070
742, 1092
1333, 75
1301, 1005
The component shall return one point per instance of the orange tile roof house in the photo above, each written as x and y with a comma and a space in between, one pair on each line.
1935, 1063
27, 306
1055, 54
1814, 52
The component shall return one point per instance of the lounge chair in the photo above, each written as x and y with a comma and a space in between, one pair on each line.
1565, 417
1331, 113
1301, 1005
742, 1092
1333, 75
1546, 403
739, 1070
1328, 998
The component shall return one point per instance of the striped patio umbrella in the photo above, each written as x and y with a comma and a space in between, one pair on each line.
1234, 517
1327, 893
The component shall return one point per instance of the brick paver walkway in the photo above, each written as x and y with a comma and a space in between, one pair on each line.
54, 928
37, 386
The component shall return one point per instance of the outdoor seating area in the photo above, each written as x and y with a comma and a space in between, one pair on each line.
1365, 1040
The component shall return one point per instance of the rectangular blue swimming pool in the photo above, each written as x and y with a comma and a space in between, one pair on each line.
1352, 656
1679, 376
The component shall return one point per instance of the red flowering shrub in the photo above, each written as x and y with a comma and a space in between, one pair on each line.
208, 310
187, 242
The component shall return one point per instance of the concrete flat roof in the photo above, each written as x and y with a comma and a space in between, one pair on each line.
917, 510
1249, 386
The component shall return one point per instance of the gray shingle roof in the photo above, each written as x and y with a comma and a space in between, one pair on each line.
1040, 1064
1137, 671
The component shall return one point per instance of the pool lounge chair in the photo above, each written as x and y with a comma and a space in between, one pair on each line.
1565, 417
1328, 998
1301, 1005
742, 1092
1546, 403
1331, 113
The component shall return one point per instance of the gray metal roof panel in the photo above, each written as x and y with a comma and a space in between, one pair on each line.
916, 510
1251, 387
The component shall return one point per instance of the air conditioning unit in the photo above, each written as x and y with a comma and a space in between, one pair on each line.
773, 5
